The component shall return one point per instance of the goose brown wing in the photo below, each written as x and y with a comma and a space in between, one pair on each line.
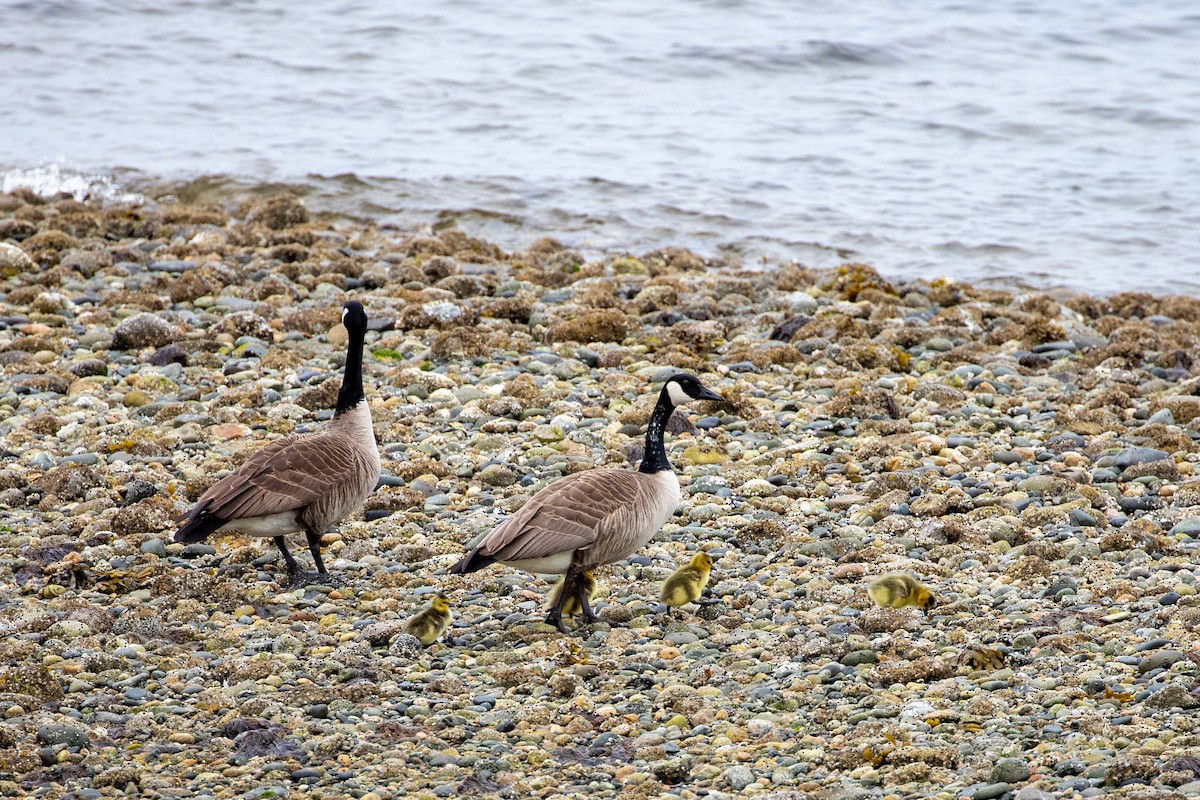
564, 516
284, 476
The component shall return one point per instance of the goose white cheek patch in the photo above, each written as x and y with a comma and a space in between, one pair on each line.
677, 394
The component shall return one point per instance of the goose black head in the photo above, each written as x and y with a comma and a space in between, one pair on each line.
683, 388
354, 317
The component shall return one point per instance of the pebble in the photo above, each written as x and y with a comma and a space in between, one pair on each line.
1010, 770
14, 261
1159, 660
154, 546
143, 330
1189, 526
738, 778
1138, 455
68, 735
859, 657
1032, 793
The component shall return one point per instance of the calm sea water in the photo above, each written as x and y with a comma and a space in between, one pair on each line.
998, 141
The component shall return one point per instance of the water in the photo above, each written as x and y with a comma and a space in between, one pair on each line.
1003, 142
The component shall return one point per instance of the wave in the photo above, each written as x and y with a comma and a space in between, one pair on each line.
53, 180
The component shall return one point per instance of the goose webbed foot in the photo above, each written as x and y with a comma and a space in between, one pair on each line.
300, 578
554, 618
585, 605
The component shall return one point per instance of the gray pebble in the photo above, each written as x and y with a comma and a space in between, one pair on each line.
1011, 770
1160, 660
1188, 525
856, 657
1138, 455
990, 792
68, 735
739, 777
154, 547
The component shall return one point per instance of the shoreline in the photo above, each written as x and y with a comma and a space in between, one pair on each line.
1031, 456
512, 219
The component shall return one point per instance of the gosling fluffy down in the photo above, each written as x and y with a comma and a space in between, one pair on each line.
430, 622
899, 590
571, 604
686, 583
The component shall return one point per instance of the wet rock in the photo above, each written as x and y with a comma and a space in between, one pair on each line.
263, 742
68, 735
1138, 455
1011, 770
1161, 659
278, 212
738, 778
143, 330
497, 475
88, 367
244, 323
673, 771
14, 261
602, 325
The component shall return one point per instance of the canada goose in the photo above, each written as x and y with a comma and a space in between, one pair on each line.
594, 517
686, 583
899, 590
429, 623
571, 605
302, 482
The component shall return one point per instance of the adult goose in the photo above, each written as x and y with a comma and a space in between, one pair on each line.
594, 517
305, 482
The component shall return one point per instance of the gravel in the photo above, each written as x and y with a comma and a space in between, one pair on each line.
1009, 449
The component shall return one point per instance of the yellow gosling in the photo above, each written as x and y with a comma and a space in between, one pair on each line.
686, 583
899, 590
429, 623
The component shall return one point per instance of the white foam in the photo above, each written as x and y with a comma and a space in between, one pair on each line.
52, 180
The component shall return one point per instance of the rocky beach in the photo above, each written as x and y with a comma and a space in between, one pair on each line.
1031, 457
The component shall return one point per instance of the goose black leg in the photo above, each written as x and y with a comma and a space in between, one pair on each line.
555, 618
589, 616
570, 584
293, 569
314, 547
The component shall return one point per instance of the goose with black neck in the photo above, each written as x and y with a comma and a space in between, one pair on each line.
591, 518
305, 482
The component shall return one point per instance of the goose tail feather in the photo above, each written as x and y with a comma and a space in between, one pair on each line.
472, 562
